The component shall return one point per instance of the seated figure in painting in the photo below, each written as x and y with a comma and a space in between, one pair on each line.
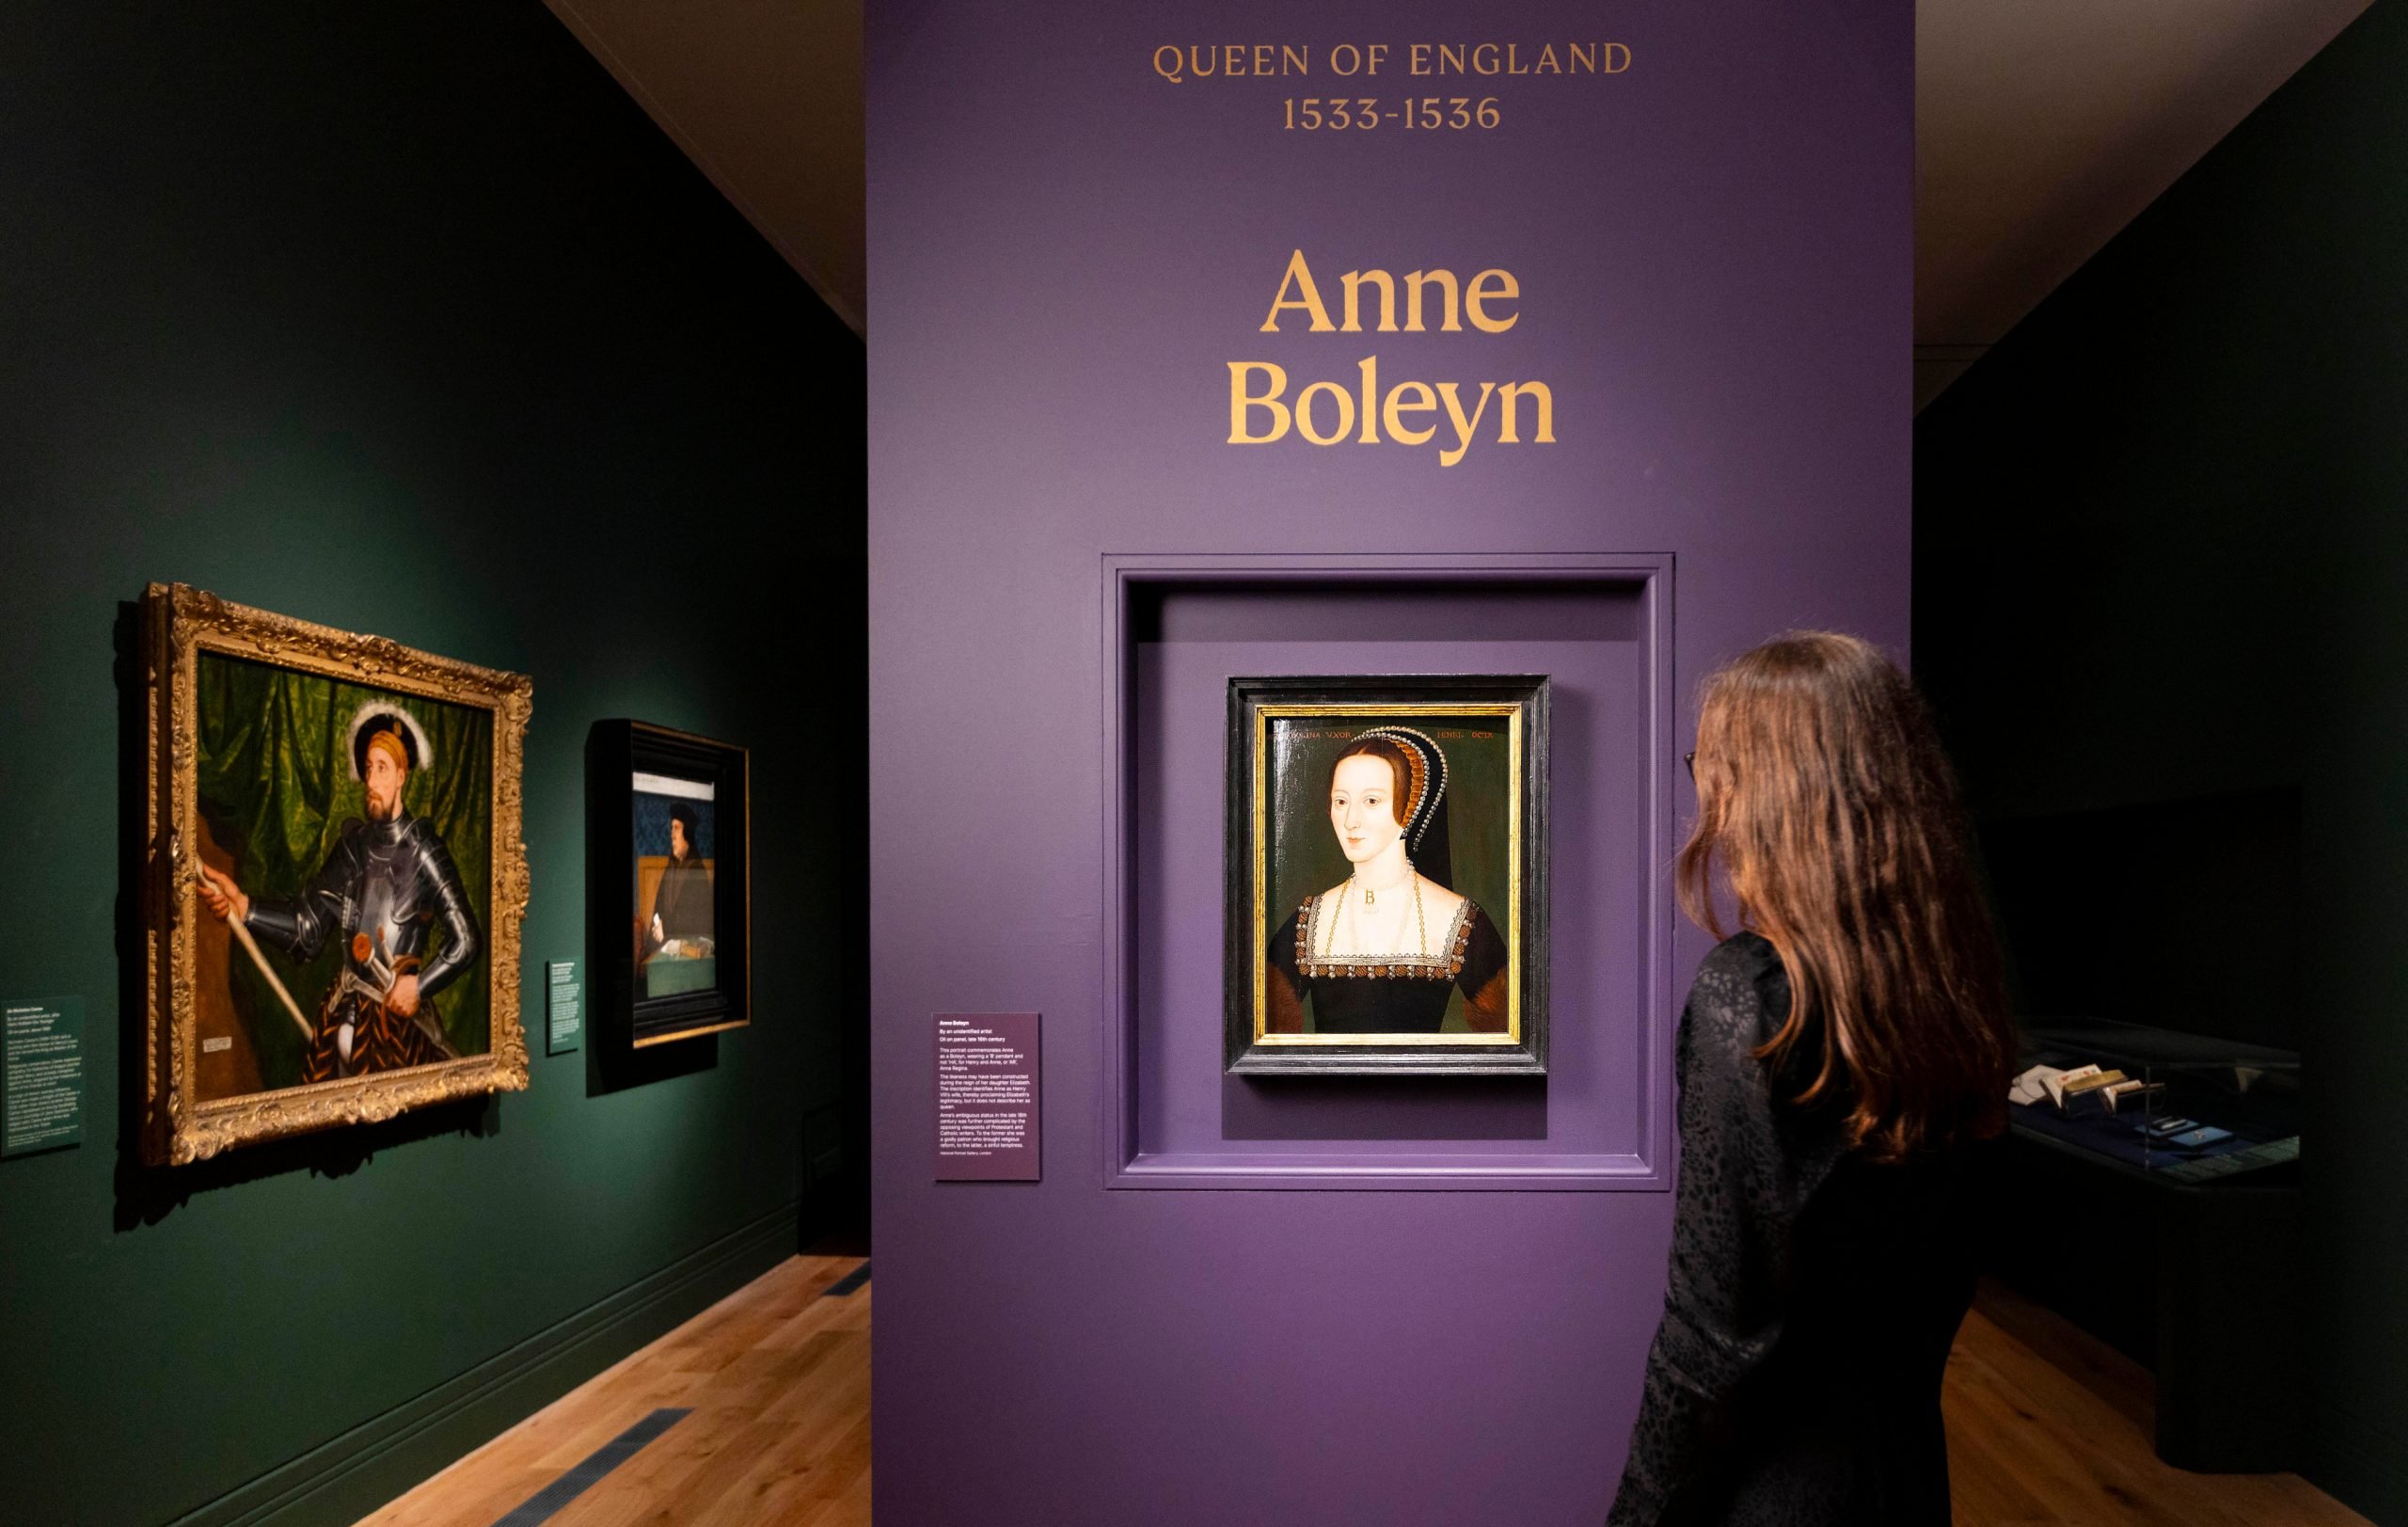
386, 887
1381, 951
680, 926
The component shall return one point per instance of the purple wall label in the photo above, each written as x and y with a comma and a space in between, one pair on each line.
987, 1097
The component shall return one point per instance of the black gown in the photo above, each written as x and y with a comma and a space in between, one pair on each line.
1810, 1300
1394, 995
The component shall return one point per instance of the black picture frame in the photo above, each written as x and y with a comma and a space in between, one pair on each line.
1515, 707
625, 1013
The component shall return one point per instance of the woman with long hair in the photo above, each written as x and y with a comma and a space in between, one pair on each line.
1838, 1058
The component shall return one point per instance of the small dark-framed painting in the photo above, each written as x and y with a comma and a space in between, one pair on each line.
1386, 874
669, 883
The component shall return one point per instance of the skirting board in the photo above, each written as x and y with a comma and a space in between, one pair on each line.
348, 1476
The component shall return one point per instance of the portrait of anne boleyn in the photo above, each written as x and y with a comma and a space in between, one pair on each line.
1385, 891
1389, 947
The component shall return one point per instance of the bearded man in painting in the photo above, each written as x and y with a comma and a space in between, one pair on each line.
386, 887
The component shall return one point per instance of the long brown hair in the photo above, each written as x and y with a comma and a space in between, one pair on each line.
1824, 795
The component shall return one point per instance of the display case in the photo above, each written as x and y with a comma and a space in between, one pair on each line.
2165, 1222
2186, 1106
2211, 1119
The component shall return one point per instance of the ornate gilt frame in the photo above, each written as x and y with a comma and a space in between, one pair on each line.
179, 624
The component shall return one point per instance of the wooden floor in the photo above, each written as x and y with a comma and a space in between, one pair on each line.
778, 1380
2049, 1427
2046, 1428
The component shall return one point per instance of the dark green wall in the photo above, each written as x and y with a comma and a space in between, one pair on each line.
402, 317
2161, 575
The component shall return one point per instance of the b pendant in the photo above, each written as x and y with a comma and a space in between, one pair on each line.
1370, 897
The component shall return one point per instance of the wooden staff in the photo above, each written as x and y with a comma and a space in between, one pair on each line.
242, 935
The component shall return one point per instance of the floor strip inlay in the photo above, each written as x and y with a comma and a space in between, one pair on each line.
849, 1284
546, 1502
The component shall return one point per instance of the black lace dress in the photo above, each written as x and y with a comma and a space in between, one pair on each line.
1811, 1299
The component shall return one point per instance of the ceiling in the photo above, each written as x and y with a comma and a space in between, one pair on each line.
2042, 127
765, 96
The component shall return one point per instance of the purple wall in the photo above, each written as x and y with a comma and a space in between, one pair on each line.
1065, 253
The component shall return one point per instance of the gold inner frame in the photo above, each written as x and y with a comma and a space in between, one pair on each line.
1264, 714
179, 624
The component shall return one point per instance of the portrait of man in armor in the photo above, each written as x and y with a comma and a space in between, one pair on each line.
385, 889
350, 930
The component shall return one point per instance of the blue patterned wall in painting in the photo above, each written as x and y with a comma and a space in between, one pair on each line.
652, 824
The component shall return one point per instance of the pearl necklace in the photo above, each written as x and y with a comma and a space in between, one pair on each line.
1371, 892
1421, 920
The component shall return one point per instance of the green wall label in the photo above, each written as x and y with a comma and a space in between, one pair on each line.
41, 1074
563, 1007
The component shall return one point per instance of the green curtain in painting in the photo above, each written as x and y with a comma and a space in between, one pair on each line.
276, 788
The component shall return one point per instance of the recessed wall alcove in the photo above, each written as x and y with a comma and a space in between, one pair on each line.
1179, 628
